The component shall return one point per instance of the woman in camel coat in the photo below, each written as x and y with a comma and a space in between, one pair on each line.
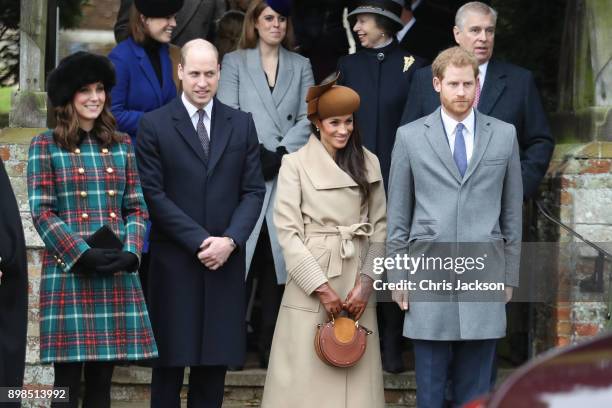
331, 223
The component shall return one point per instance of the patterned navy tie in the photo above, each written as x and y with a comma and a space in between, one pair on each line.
460, 154
203, 134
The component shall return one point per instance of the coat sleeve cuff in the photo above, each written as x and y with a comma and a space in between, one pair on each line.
375, 250
308, 275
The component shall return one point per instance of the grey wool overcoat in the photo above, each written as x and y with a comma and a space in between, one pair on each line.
280, 118
430, 203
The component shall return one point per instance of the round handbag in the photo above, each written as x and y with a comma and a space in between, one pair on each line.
341, 341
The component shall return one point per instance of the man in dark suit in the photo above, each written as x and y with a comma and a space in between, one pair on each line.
202, 180
195, 20
13, 290
419, 37
506, 92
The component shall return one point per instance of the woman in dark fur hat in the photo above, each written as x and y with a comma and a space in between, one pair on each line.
82, 176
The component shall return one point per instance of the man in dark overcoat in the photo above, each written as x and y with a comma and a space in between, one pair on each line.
506, 92
201, 176
13, 289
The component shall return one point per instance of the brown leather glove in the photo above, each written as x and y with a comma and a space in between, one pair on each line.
329, 299
357, 299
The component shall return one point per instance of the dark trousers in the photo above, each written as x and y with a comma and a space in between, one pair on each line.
269, 292
98, 377
206, 384
466, 363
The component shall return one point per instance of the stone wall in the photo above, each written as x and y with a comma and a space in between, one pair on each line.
578, 189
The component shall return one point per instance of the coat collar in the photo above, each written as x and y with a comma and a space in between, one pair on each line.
436, 136
325, 174
258, 78
220, 132
147, 68
493, 87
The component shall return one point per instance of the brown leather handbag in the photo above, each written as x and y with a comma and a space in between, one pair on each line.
341, 341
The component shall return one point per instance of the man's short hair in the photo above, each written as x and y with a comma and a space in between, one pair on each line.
474, 7
455, 56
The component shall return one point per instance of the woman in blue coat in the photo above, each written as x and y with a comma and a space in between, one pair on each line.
381, 74
143, 64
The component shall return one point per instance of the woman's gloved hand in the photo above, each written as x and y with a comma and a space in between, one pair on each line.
271, 161
329, 299
357, 299
94, 258
124, 261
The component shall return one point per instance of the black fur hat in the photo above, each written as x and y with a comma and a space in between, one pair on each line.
158, 8
76, 70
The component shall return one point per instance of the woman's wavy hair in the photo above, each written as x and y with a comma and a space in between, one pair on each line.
249, 36
351, 160
66, 131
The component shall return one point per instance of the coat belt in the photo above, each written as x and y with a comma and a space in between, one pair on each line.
346, 247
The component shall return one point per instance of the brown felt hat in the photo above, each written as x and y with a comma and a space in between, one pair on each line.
329, 100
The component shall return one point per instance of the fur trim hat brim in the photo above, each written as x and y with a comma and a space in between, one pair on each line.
76, 70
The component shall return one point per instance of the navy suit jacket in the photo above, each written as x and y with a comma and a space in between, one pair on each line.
137, 90
198, 314
509, 93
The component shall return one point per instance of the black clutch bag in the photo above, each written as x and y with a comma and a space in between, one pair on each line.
104, 238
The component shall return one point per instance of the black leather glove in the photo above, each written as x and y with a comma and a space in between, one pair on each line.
271, 161
124, 261
94, 258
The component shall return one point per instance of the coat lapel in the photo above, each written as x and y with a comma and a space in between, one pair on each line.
184, 126
285, 76
220, 130
494, 85
147, 69
321, 169
260, 83
482, 137
436, 136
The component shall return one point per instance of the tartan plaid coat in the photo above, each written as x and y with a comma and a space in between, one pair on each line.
88, 317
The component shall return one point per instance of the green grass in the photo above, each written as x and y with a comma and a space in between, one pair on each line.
5, 99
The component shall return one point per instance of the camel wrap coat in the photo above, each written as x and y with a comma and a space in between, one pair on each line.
327, 234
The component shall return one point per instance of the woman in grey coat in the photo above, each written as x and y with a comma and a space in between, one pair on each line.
266, 79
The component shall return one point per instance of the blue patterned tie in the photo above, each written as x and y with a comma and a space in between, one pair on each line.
460, 154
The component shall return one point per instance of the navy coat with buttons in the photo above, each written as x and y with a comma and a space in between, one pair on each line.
382, 78
198, 314
137, 90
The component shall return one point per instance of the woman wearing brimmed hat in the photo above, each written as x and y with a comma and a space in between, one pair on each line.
380, 73
142, 61
82, 176
329, 187
263, 77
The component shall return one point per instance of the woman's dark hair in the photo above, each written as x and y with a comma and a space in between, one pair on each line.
351, 160
66, 132
386, 25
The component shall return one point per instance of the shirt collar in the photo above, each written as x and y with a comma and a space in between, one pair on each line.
450, 124
401, 33
192, 110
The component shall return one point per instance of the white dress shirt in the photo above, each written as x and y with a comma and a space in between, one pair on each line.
192, 111
450, 126
482, 73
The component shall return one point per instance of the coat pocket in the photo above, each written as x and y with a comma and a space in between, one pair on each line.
295, 298
495, 162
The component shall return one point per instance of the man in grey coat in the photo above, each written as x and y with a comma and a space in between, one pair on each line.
455, 188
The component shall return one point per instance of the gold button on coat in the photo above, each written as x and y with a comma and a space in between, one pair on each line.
77, 151
84, 216
81, 170
113, 215
105, 150
83, 194
111, 193
109, 170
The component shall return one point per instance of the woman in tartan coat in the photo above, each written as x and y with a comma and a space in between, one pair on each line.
82, 175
